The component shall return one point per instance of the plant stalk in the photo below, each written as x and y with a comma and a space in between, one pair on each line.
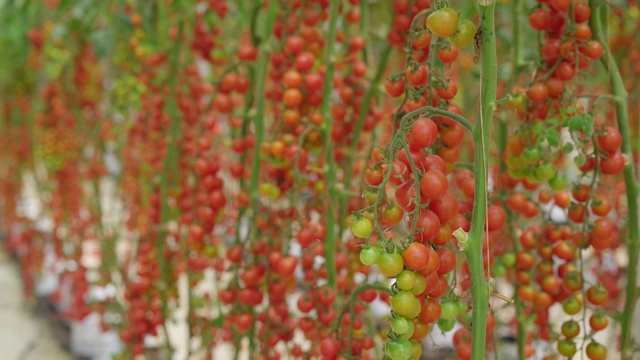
330, 174
481, 134
622, 116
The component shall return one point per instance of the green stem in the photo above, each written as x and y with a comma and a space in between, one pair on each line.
481, 135
622, 114
164, 180
331, 238
262, 68
258, 120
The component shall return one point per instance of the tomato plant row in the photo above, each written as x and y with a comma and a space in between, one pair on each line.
268, 172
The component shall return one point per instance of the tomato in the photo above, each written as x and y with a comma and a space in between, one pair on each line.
423, 134
449, 310
601, 232
583, 32
404, 303
560, 5
400, 325
601, 206
416, 256
422, 41
540, 20
449, 91
452, 135
330, 347
420, 285
369, 256
581, 11
390, 264
406, 280
417, 76
446, 325
593, 50
598, 322
496, 218
545, 171
427, 225
570, 329
596, 351
559, 181
446, 207
611, 140
613, 164
362, 228
447, 261
567, 347
571, 306
597, 295
420, 331
556, 88
399, 350
465, 33
431, 311
538, 93
395, 88
393, 214
433, 185
447, 56
405, 200
443, 22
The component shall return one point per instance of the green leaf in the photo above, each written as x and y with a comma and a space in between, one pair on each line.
552, 137
580, 122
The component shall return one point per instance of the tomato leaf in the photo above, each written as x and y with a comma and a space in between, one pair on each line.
580, 122
552, 137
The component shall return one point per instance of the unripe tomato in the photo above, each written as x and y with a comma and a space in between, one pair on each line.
369, 256
390, 265
362, 228
443, 22
465, 33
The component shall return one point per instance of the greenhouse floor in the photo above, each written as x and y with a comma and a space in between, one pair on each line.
23, 334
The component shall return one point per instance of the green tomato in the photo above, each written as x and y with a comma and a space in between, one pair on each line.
517, 174
462, 308
509, 259
404, 303
406, 280
390, 265
499, 269
446, 325
517, 101
400, 325
570, 329
443, 22
580, 160
420, 285
516, 162
558, 182
369, 256
399, 349
567, 347
532, 155
449, 310
465, 34
362, 228
545, 172
412, 328
571, 306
